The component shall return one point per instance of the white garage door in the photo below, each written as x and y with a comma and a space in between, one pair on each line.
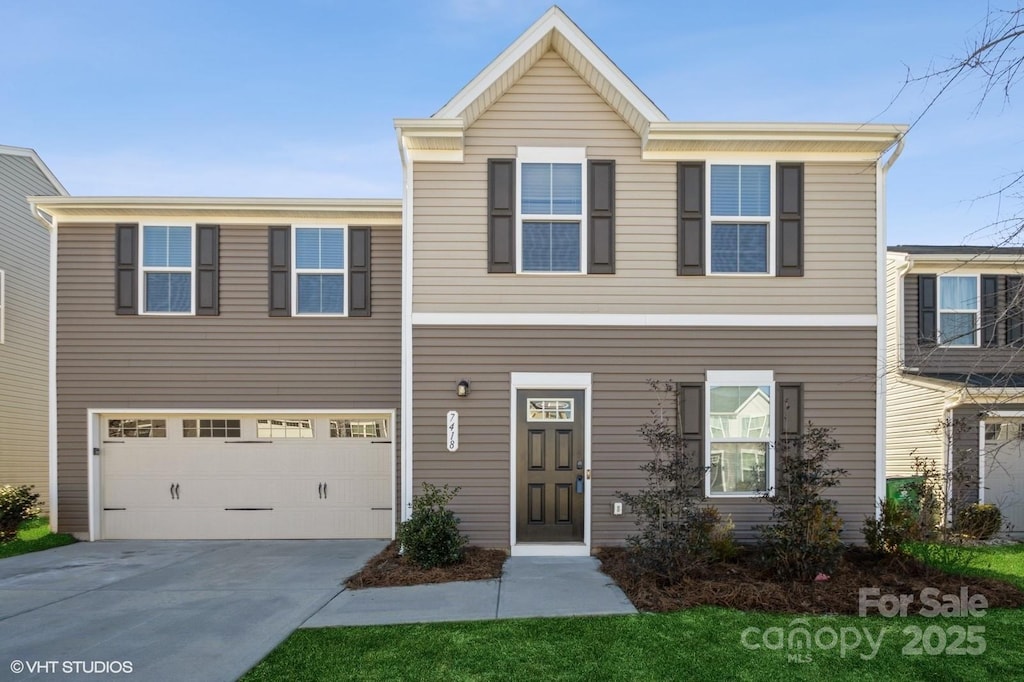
1004, 470
245, 476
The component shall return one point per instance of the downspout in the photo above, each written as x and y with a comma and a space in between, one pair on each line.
881, 327
50, 223
406, 381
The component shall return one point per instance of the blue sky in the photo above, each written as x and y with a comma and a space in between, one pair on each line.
297, 97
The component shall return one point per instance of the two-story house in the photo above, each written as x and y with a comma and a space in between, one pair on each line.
956, 373
24, 322
562, 242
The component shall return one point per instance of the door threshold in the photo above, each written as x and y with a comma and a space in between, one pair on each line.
550, 549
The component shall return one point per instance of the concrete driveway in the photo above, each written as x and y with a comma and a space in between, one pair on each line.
170, 610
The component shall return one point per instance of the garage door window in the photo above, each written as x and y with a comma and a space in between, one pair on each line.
137, 428
284, 428
359, 428
212, 428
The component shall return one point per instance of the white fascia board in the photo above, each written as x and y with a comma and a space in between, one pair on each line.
754, 154
552, 20
43, 168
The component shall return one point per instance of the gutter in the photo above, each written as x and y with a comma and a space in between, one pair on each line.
407, 375
882, 328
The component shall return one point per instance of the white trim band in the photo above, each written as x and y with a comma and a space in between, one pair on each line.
638, 320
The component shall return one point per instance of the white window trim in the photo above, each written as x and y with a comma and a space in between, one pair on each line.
3, 306
739, 378
296, 271
976, 311
143, 269
712, 219
551, 155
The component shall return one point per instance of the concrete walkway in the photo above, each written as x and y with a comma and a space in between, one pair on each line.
210, 610
528, 587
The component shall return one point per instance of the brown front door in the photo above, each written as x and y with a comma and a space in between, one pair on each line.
550, 473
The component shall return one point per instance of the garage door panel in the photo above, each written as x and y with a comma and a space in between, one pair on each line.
1004, 470
178, 487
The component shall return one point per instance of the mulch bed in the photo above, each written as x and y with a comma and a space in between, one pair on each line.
390, 569
743, 584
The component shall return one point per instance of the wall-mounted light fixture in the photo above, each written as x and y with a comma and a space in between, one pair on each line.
462, 388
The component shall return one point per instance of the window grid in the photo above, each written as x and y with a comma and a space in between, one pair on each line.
167, 282
551, 198
549, 409
961, 320
741, 202
137, 427
359, 428
739, 438
284, 428
319, 284
211, 428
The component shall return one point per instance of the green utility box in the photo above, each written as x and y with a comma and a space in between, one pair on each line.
903, 489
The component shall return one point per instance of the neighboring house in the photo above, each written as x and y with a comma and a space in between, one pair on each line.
24, 322
956, 375
562, 242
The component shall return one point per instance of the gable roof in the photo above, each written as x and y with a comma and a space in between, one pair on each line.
554, 30
31, 154
442, 136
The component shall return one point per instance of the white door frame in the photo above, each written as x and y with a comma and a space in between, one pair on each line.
95, 442
551, 380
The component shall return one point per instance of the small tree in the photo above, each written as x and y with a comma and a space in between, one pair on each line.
674, 526
431, 537
803, 539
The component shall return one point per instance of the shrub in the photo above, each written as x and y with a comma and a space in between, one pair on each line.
17, 505
896, 525
803, 538
668, 510
431, 537
711, 536
980, 521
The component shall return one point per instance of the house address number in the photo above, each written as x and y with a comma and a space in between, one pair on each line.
453, 431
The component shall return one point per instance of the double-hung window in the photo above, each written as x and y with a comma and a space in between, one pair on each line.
959, 301
740, 452
741, 203
552, 191
319, 271
168, 269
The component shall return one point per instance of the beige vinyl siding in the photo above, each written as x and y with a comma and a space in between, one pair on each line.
24, 357
241, 359
913, 426
551, 106
836, 366
999, 358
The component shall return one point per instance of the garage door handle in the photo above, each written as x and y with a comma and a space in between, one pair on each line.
175, 488
320, 491
325, 491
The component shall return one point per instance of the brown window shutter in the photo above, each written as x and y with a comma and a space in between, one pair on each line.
601, 225
789, 407
790, 230
927, 311
690, 218
207, 270
501, 215
989, 309
690, 418
1014, 311
126, 270
280, 276
359, 271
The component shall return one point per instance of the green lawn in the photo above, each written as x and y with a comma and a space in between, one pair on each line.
1004, 562
34, 536
701, 644
704, 644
